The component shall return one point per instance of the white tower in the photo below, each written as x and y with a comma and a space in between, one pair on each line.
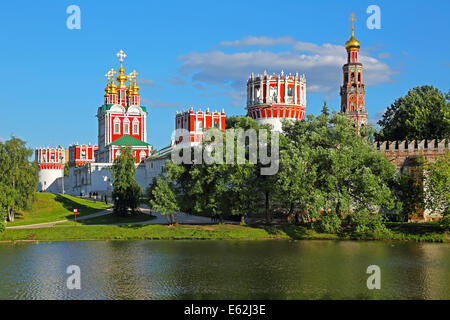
51, 167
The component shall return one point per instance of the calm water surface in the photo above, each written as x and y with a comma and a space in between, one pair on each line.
225, 270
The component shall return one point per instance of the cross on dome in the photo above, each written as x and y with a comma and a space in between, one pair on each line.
352, 19
121, 55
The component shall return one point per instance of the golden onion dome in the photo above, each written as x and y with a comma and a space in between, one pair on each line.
108, 89
112, 87
130, 88
121, 77
352, 43
135, 88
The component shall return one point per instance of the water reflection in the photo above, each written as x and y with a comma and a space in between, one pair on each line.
225, 270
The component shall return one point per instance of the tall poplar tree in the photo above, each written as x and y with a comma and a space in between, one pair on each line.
126, 191
18, 179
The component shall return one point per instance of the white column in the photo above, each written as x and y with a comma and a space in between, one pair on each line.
278, 88
253, 91
285, 90
295, 91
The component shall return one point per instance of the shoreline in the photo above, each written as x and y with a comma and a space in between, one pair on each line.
199, 232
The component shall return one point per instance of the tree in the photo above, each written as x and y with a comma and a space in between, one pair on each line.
126, 191
409, 189
18, 181
163, 199
437, 189
424, 113
328, 173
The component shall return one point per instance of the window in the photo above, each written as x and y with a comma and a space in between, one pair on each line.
126, 126
290, 91
116, 126
359, 77
353, 77
142, 156
135, 126
200, 125
274, 92
216, 124
83, 155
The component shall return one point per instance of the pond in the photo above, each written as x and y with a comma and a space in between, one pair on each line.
225, 270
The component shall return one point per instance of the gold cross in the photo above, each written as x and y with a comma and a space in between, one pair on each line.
121, 55
134, 74
111, 73
352, 19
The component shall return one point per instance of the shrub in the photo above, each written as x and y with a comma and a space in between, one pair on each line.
330, 223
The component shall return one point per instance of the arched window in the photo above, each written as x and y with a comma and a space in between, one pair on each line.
142, 156
135, 126
116, 126
126, 126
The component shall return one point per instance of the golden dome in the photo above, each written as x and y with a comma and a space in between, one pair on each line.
108, 89
135, 88
130, 87
121, 77
112, 87
352, 43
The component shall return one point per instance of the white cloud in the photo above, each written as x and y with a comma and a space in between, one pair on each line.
2, 140
146, 82
384, 55
322, 64
156, 103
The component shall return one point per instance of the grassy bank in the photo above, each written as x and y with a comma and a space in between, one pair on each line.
198, 232
48, 207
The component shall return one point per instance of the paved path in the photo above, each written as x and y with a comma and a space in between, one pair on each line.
182, 218
53, 223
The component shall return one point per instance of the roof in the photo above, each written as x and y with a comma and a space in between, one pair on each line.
106, 107
163, 153
127, 140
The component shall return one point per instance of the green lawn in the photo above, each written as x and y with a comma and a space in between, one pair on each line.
195, 232
49, 207
149, 232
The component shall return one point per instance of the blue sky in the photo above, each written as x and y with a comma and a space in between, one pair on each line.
200, 53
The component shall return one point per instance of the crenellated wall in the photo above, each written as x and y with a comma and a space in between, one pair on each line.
404, 153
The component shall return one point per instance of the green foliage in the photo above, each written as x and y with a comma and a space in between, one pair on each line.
437, 192
424, 113
327, 171
2, 220
126, 191
445, 220
18, 180
409, 189
163, 199
363, 222
328, 223
66, 170
222, 190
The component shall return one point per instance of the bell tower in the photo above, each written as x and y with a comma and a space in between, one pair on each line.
353, 89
